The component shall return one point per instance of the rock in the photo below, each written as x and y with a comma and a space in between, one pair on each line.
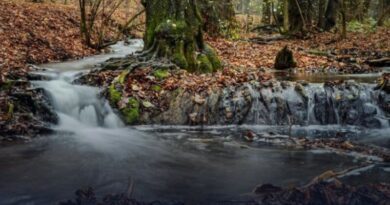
199, 99
285, 59
147, 104
384, 83
250, 136
267, 189
347, 145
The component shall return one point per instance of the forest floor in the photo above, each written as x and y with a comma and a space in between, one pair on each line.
321, 52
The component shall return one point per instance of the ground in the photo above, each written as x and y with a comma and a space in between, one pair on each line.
38, 33
317, 53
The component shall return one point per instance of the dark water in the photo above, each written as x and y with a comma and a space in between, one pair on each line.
324, 77
171, 165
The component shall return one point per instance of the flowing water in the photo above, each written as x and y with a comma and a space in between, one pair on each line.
92, 147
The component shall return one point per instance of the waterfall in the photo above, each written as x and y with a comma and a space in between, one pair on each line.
78, 105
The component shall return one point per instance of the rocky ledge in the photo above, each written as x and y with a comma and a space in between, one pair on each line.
146, 95
24, 112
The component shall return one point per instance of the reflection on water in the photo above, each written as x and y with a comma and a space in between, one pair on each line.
324, 77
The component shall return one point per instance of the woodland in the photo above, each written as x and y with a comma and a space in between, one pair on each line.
275, 102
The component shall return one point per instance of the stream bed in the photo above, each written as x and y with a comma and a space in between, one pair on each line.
92, 147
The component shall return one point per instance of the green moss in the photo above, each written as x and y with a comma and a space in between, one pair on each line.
204, 65
122, 77
178, 57
6, 85
131, 113
115, 95
172, 28
10, 113
161, 73
156, 88
213, 57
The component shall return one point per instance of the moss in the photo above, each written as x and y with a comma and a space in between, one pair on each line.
7, 85
131, 113
161, 73
172, 28
178, 57
115, 95
10, 113
213, 57
204, 64
122, 77
156, 88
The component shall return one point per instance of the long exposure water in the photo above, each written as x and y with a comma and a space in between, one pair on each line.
93, 148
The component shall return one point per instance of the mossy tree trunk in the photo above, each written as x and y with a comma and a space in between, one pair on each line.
218, 17
174, 31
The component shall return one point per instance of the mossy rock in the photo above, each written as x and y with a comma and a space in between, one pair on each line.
285, 59
114, 94
161, 73
131, 113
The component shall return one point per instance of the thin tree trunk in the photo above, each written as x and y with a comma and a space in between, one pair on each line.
321, 13
285, 16
344, 19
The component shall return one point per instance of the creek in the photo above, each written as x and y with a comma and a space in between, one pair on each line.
92, 147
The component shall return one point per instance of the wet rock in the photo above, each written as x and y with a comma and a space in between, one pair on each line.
267, 189
29, 113
285, 59
326, 193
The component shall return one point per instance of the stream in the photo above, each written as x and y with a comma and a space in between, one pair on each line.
92, 147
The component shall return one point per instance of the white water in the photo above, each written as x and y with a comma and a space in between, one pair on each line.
80, 107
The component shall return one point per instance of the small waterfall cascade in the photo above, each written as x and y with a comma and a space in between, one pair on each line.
79, 105
288, 103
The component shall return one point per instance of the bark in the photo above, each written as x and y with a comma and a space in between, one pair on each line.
218, 17
296, 17
321, 13
267, 16
331, 14
285, 16
344, 19
174, 31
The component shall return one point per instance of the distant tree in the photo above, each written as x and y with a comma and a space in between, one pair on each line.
95, 18
331, 14
218, 17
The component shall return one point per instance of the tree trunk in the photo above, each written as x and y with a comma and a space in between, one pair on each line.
321, 13
296, 18
266, 18
331, 14
285, 16
174, 31
218, 17
384, 12
344, 19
